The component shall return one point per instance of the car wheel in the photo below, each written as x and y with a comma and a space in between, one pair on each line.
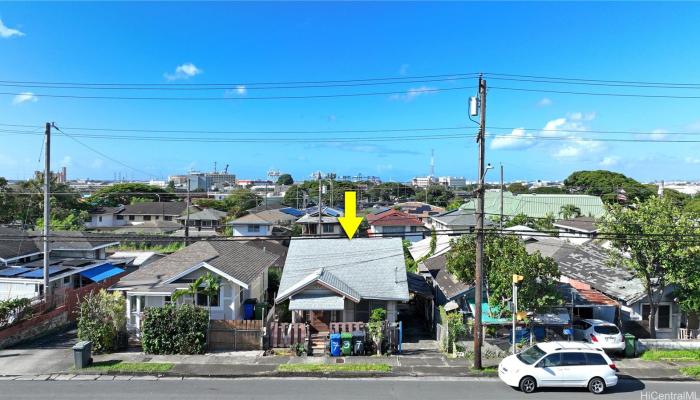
528, 384
596, 385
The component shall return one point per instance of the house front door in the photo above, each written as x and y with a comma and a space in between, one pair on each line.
319, 321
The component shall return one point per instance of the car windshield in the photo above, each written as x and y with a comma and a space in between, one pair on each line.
606, 329
531, 355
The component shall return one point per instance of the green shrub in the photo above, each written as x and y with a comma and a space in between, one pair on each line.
175, 329
376, 327
101, 319
456, 329
14, 310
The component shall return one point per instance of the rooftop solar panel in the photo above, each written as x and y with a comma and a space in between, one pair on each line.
38, 273
7, 272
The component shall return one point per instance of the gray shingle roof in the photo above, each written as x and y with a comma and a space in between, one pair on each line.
250, 219
448, 284
459, 218
16, 243
235, 258
208, 214
375, 268
76, 240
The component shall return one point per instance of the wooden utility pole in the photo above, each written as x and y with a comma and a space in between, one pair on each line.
47, 212
187, 218
478, 274
320, 206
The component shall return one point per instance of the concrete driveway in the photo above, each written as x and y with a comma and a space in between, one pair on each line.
47, 355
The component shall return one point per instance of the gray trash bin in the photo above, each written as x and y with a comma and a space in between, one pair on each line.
82, 354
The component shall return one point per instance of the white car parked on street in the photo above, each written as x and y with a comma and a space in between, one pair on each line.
599, 332
566, 364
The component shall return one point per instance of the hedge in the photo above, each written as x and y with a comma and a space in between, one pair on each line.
175, 329
102, 320
13, 311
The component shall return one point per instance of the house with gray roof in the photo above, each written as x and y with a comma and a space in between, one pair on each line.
329, 224
138, 213
207, 219
341, 280
456, 222
445, 286
241, 267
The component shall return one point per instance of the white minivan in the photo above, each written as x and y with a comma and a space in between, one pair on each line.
599, 332
572, 364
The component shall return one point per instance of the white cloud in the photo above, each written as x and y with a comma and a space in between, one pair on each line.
517, 139
403, 70
241, 89
184, 71
413, 93
658, 134
6, 32
67, 161
544, 102
692, 160
609, 161
567, 152
25, 97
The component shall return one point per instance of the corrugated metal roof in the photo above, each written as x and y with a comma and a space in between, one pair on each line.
538, 205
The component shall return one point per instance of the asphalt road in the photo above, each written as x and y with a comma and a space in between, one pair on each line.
323, 389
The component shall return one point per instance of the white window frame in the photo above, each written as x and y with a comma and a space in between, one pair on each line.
254, 228
656, 319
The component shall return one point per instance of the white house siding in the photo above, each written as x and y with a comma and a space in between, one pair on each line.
243, 230
16, 290
391, 311
349, 312
102, 220
394, 231
257, 288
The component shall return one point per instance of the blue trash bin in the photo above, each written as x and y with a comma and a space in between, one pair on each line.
335, 344
248, 311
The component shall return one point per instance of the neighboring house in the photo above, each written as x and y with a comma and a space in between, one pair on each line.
134, 214
135, 259
340, 280
456, 222
207, 219
150, 228
262, 223
421, 248
420, 210
76, 259
445, 286
587, 267
577, 230
251, 225
241, 267
329, 222
104, 217
537, 205
394, 223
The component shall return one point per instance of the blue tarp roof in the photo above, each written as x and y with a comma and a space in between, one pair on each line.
39, 272
101, 272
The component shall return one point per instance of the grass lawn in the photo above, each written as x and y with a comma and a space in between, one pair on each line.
488, 370
334, 368
671, 355
114, 366
693, 371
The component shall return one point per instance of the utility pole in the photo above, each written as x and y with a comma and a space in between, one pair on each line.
320, 207
187, 218
478, 275
501, 220
47, 214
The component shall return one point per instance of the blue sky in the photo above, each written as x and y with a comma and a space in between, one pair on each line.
264, 42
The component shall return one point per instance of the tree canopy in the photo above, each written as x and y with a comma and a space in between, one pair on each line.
124, 193
658, 236
517, 188
505, 256
285, 179
436, 195
607, 185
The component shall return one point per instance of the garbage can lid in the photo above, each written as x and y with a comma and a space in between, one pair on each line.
82, 345
346, 335
358, 333
335, 335
629, 336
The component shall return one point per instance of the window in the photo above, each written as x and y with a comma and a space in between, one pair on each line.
663, 317
120, 217
66, 280
573, 359
146, 217
99, 218
202, 299
552, 360
328, 228
157, 217
167, 218
646, 310
531, 355
595, 359
131, 217
606, 329
167, 300
253, 228
414, 229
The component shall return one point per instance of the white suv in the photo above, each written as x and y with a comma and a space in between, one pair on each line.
572, 364
599, 332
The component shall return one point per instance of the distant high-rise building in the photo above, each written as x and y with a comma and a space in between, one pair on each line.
452, 182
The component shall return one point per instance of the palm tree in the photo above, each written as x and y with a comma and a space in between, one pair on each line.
191, 290
212, 285
569, 210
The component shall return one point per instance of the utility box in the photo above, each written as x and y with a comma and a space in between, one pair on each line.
82, 354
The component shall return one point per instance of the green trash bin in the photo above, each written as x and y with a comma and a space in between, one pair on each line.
260, 310
630, 345
346, 343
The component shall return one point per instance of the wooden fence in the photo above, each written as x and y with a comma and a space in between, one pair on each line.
229, 335
340, 327
284, 334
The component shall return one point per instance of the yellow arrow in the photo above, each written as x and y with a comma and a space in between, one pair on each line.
350, 222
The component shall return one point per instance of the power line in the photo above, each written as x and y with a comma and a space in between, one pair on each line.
493, 74
653, 96
562, 82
